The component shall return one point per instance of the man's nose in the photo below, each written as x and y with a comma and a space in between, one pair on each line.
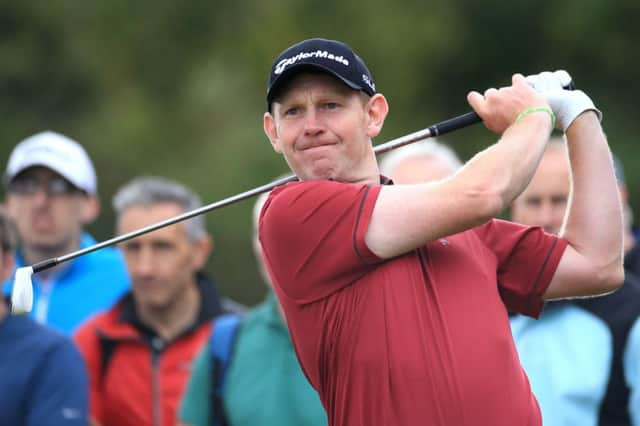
550, 219
312, 122
41, 196
143, 263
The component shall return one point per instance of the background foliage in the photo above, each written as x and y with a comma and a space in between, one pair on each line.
177, 88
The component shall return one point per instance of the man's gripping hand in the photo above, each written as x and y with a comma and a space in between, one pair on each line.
566, 104
499, 108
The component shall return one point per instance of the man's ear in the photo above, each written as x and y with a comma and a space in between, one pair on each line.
377, 109
271, 130
203, 250
90, 209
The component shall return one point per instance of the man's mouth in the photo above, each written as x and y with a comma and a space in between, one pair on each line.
41, 222
313, 146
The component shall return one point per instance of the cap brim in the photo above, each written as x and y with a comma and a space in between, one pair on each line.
286, 75
51, 165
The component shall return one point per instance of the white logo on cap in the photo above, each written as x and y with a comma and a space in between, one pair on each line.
280, 66
368, 81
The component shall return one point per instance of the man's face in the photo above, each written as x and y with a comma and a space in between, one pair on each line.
162, 264
323, 129
544, 201
48, 211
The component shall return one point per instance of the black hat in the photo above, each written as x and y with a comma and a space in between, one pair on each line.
331, 56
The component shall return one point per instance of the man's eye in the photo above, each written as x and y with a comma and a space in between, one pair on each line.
59, 186
533, 202
131, 247
162, 246
331, 105
27, 186
292, 111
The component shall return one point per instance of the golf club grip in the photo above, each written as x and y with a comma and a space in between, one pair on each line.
45, 264
468, 119
455, 123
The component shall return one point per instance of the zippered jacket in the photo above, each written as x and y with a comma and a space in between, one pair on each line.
136, 378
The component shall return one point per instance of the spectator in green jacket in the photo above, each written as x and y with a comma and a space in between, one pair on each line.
263, 383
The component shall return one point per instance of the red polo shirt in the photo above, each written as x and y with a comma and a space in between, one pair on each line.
420, 339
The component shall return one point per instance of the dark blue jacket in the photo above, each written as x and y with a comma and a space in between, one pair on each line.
42, 377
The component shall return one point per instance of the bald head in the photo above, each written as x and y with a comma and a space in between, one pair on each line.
544, 201
421, 162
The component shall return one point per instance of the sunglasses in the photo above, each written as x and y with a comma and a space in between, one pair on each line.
29, 185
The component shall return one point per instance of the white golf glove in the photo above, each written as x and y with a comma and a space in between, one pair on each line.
566, 104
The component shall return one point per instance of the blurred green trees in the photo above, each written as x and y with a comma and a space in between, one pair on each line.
177, 88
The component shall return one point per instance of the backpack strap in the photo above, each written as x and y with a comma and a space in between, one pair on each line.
221, 344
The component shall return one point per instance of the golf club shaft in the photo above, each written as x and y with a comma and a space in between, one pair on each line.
435, 130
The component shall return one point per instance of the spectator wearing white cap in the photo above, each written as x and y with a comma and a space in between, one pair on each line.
51, 194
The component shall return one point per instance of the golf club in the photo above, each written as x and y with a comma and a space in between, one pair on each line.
22, 292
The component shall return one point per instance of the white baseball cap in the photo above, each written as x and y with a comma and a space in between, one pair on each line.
58, 153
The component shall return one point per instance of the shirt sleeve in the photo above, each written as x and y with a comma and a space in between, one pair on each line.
196, 401
313, 237
60, 393
527, 259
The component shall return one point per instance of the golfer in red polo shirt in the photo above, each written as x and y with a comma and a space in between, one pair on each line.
397, 296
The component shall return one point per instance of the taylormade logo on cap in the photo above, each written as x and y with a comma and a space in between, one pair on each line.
328, 56
280, 66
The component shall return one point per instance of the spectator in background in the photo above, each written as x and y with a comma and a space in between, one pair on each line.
139, 353
51, 194
42, 381
263, 384
574, 354
420, 162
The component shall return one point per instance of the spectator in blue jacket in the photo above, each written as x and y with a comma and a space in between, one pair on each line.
42, 378
51, 194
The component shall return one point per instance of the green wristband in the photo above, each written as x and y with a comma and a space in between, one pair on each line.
537, 109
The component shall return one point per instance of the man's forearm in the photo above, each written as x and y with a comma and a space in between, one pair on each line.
505, 168
594, 219
408, 216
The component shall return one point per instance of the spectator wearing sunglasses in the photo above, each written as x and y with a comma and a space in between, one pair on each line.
51, 195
